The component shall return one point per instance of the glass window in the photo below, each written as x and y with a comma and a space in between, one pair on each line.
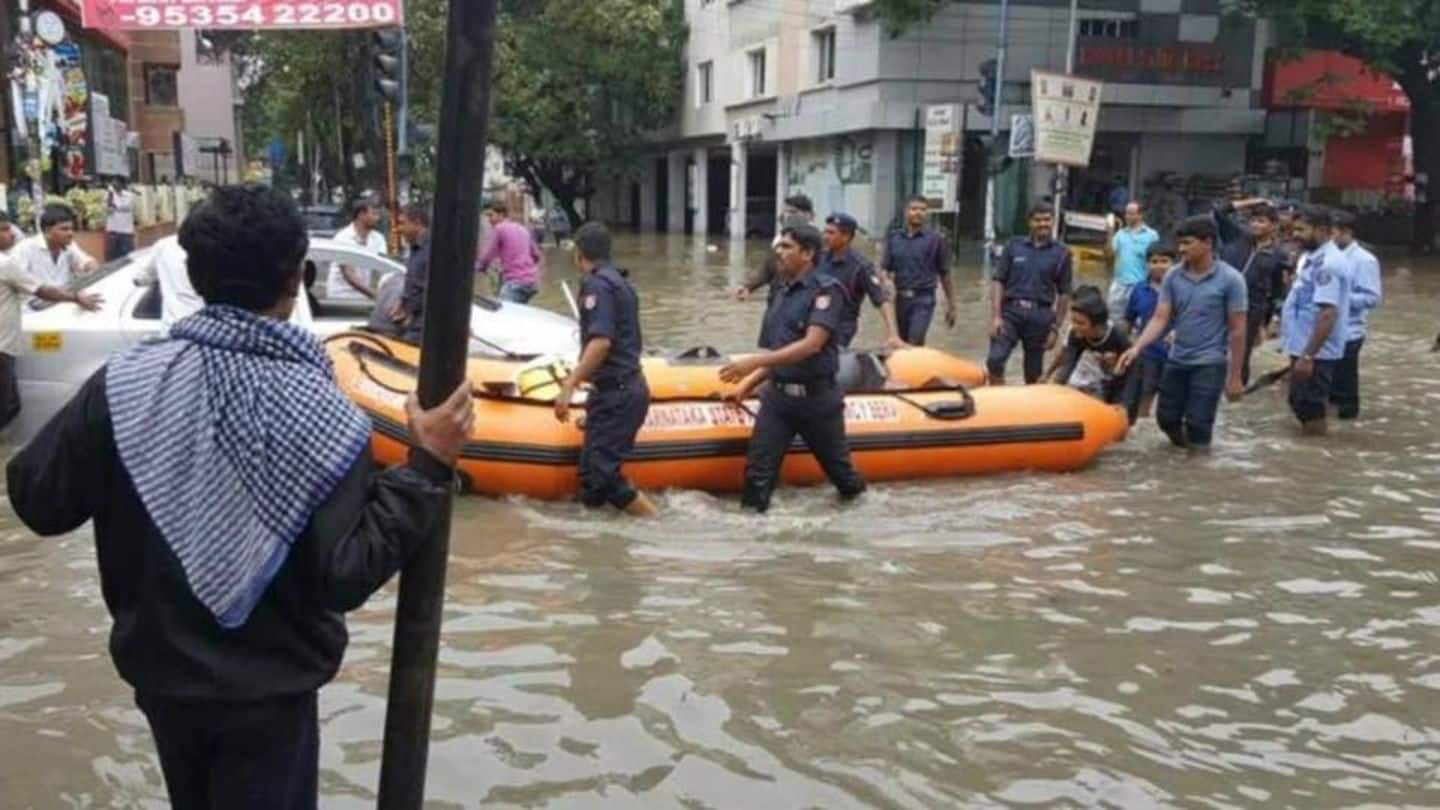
705, 83
162, 88
757, 73
824, 48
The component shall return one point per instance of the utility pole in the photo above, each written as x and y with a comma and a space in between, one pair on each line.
460, 169
1062, 173
30, 103
999, 96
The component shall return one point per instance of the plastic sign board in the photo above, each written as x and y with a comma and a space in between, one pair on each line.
940, 181
1065, 109
145, 15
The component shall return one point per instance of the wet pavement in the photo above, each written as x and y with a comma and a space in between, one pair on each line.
1253, 629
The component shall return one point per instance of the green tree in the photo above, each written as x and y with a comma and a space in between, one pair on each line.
1399, 38
580, 88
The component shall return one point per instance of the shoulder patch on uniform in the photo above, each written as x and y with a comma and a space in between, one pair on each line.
1322, 277
822, 301
590, 301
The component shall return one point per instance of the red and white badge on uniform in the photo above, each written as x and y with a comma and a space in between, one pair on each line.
822, 302
590, 301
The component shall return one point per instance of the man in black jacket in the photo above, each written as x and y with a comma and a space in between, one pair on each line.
237, 512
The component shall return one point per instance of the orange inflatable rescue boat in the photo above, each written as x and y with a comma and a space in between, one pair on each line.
898, 429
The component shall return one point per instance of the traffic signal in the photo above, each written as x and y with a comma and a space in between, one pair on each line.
987, 87
387, 46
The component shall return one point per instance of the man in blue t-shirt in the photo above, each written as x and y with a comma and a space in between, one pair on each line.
1312, 329
1204, 300
1127, 248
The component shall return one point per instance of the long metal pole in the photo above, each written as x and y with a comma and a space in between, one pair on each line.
460, 169
990, 207
1062, 173
391, 193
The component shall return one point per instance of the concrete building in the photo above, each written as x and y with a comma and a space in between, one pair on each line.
814, 95
207, 94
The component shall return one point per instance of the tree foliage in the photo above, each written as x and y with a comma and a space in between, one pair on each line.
579, 88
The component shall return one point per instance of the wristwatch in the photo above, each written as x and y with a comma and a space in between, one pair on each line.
1308, 357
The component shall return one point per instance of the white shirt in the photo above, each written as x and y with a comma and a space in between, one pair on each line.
16, 286
167, 265
34, 256
336, 287
121, 216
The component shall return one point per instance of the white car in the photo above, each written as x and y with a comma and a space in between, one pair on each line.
65, 345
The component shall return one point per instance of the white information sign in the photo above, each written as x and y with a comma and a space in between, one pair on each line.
1066, 109
940, 182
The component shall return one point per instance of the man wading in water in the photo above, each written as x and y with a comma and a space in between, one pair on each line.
237, 512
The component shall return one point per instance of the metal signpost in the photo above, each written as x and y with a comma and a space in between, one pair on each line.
464, 116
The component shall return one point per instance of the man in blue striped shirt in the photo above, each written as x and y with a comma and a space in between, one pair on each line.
1365, 296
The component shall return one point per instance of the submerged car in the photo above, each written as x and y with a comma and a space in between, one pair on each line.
65, 345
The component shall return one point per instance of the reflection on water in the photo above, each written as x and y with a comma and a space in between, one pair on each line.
1253, 629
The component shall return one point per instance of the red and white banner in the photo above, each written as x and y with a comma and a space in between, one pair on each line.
254, 14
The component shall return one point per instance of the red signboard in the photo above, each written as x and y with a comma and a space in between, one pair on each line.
1180, 58
142, 15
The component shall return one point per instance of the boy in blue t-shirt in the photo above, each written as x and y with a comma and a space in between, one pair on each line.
1140, 392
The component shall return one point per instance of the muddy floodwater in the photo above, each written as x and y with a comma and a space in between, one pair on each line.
1260, 628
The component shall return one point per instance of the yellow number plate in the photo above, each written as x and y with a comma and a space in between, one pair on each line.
47, 342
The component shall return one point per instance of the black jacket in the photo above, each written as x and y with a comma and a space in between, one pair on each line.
164, 641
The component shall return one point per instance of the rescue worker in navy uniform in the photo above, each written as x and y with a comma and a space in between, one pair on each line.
1029, 297
802, 358
858, 280
610, 361
915, 260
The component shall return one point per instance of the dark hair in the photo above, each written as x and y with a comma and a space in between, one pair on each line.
56, 214
1090, 303
243, 246
592, 241
4, 218
1265, 211
1162, 249
1041, 209
807, 237
498, 206
1200, 226
360, 206
917, 199
800, 202
1315, 215
1343, 219
416, 213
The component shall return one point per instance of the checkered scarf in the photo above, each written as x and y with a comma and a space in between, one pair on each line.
233, 433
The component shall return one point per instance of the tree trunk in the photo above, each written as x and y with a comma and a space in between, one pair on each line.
1425, 136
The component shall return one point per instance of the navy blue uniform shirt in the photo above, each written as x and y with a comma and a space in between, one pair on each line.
857, 279
610, 308
917, 259
1035, 272
795, 306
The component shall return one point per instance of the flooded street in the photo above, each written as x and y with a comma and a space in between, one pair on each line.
1254, 629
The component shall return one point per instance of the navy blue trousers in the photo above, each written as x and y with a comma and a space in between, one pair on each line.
819, 419
612, 418
237, 756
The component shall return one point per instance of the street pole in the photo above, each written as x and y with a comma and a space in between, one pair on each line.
1062, 173
995, 137
30, 112
460, 170
393, 238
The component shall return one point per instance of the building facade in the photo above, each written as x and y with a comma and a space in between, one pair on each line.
815, 96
